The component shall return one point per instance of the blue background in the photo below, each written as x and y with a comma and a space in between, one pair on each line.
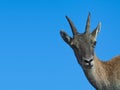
32, 54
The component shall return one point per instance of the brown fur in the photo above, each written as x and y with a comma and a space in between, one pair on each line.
106, 74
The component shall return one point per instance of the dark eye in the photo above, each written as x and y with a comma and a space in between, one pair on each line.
73, 46
93, 43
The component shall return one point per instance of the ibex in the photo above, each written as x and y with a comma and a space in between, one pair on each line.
102, 75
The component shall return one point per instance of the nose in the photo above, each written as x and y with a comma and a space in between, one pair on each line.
88, 61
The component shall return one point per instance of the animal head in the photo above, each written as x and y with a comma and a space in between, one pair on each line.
83, 44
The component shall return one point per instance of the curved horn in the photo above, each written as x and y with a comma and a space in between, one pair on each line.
87, 29
74, 30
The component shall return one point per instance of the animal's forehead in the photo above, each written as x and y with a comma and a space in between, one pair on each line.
82, 37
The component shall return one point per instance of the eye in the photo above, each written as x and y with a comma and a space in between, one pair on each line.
73, 46
93, 43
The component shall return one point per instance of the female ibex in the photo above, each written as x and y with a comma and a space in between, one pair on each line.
102, 75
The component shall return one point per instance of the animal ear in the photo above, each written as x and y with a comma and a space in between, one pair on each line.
95, 32
65, 37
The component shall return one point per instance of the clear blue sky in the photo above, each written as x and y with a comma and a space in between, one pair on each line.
32, 54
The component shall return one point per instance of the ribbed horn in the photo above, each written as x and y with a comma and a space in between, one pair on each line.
87, 29
74, 30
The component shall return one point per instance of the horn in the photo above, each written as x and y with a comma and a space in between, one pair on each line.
74, 30
87, 29
99, 26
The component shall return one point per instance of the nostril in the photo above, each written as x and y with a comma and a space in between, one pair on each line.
86, 61
91, 60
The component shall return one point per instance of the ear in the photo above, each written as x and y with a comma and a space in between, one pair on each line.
65, 37
95, 32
